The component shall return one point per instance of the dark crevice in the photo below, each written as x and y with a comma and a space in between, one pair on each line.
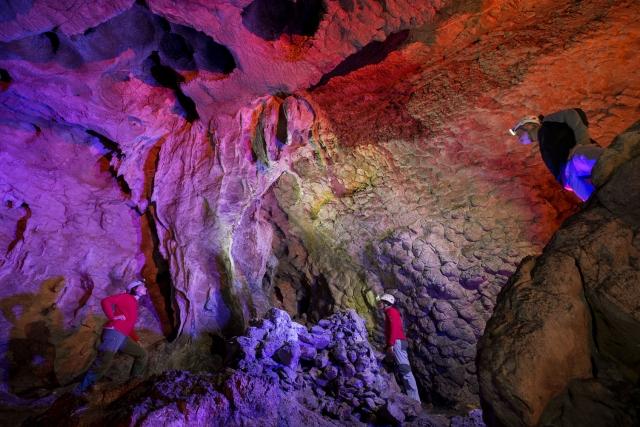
113, 149
157, 269
185, 48
304, 301
278, 293
122, 183
180, 53
164, 76
213, 56
188, 106
163, 276
323, 301
54, 40
111, 146
5, 79
281, 128
269, 19
372, 53
595, 352
291, 282
220, 349
237, 323
87, 285
20, 228
168, 77
259, 146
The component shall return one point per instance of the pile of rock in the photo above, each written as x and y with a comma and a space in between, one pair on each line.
332, 365
286, 375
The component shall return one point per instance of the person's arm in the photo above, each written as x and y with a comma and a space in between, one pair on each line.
107, 306
572, 119
387, 331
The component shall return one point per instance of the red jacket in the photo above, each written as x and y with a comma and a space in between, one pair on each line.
393, 325
121, 304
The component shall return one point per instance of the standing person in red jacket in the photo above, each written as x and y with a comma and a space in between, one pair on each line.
118, 335
397, 344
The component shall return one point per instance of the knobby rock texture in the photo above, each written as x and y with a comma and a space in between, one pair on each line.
562, 345
305, 155
283, 374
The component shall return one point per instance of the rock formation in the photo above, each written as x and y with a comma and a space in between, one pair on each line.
562, 345
249, 154
285, 375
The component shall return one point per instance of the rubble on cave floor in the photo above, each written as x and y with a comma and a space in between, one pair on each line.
284, 374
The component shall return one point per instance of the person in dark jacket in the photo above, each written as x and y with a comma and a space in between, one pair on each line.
397, 344
118, 335
566, 148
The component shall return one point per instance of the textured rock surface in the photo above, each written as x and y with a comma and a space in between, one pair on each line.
307, 158
278, 382
561, 346
332, 365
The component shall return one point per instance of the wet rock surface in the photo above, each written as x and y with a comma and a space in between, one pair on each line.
561, 346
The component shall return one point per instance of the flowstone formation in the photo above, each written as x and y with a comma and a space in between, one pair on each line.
562, 345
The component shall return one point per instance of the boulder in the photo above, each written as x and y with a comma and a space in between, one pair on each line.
561, 346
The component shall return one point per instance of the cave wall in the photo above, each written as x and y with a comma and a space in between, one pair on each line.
305, 157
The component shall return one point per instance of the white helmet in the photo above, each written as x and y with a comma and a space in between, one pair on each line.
524, 121
386, 297
134, 284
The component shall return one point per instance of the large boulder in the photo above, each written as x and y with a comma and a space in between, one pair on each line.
562, 345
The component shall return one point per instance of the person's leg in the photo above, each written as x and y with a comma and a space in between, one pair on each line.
577, 172
584, 158
111, 342
404, 369
576, 181
140, 356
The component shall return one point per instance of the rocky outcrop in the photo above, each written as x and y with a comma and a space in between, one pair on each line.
285, 374
562, 345
332, 365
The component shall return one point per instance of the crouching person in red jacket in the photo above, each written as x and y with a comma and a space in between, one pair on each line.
397, 344
118, 335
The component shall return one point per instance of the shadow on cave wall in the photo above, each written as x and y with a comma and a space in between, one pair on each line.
29, 353
373, 53
269, 19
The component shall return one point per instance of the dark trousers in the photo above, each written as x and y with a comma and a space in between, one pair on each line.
114, 341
